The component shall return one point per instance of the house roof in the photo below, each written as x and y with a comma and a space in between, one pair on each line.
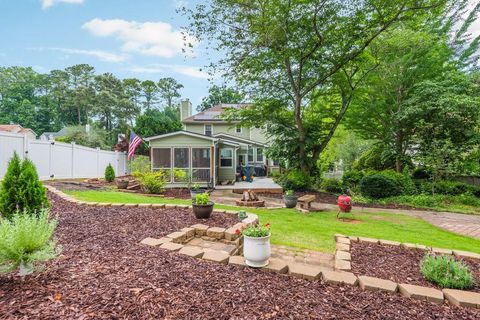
213, 114
15, 128
193, 134
242, 140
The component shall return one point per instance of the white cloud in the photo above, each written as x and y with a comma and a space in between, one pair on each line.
100, 54
148, 38
49, 3
189, 71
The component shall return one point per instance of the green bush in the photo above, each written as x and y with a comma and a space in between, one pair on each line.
202, 199
351, 179
140, 165
21, 189
404, 181
153, 182
378, 186
295, 180
446, 272
453, 188
421, 174
109, 173
25, 241
332, 185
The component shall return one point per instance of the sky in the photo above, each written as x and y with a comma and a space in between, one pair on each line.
129, 38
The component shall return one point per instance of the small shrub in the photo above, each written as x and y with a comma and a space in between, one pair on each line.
378, 186
351, 179
332, 185
32, 195
453, 187
404, 181
421, 173
10, 186
289, 193
140, 165
202, 199
180, 175
446, 272
295, 180
109, 173
153, 182
25, 241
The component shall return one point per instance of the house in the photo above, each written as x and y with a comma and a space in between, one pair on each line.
16, 128
209, 150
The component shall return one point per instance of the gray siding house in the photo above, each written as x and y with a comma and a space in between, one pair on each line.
209, 150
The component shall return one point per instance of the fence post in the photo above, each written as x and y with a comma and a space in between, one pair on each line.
51, 159
98, 163
25, 147
117, 166
73, 159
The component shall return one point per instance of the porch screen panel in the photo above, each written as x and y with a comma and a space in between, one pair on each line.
200, 164
181, 165
162, 161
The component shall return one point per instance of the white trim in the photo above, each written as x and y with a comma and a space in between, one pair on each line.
205, 129
220, 157
241, 139
188, 133
256, 155
229, 143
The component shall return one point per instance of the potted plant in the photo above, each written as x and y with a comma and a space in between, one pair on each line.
290, 199
256, 245
202, 206
122, 183
196, 189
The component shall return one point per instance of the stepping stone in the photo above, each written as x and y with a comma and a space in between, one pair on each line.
343, 265
170, 206
171, 246
194, 252
216, 233
371, 283
466, 254
421, 293
189, 231
304, 271
158, 205
408, 246
232, 212
343, 240
219, 210
117, 204
178, 237
390, 243
104, 204
216, 256
153, 242
442, 251
276, 265
237, 260
231, 234
342, 247
145, 205
182, 206
131, 205
462, 298
339, 277
200, 229
343, 255
369, 240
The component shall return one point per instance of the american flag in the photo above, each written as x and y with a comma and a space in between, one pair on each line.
133, 144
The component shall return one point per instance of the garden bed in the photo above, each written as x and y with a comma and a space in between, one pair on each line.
398, 264
104, 273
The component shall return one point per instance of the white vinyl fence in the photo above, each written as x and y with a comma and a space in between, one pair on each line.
57, 160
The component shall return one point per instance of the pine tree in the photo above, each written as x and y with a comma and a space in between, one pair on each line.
9, 187
109, 173
32, 196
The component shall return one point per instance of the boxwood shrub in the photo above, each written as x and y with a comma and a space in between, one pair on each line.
446, 272
332, 185
379, 186
295, 180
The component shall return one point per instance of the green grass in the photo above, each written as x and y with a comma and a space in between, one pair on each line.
316, 231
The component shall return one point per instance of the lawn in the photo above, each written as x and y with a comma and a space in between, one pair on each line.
316, 231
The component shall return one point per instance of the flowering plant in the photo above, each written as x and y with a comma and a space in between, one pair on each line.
256, 231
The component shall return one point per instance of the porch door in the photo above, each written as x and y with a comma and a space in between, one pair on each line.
241, 160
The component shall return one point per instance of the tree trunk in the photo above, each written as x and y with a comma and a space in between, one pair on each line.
301, 134
398, 151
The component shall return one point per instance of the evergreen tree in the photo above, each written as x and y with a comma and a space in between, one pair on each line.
109, 173
32, 196
9, 188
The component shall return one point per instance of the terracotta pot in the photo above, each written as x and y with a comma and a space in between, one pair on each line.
290, 201
203, 211
122, 184
256, 251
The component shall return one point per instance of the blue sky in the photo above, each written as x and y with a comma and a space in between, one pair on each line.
129, 38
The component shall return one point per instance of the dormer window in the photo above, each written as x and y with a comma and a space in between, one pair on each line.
238, 129
208, 130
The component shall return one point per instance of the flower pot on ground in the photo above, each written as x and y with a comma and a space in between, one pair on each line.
196, 189
202, 206
256, 245
122, 183
290, 199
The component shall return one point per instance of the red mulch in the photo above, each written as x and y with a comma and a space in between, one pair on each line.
397, 264
178, 193
104, 273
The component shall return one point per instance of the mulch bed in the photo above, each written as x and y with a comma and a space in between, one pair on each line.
178, 193
104, 273
397, 264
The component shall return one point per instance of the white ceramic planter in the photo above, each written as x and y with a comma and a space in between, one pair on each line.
256, 251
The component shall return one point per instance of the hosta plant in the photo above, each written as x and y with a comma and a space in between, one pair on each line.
446, 272
27, 240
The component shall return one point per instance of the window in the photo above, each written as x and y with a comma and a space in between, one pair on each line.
250, 155
276, 162
208, 130
238, 129
259, 154
181, 164
226, 158
200, 164
162, 161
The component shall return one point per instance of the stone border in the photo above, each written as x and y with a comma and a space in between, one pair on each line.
455, 297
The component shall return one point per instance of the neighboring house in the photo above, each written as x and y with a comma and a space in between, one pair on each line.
62, 133
209, 149
16, 128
